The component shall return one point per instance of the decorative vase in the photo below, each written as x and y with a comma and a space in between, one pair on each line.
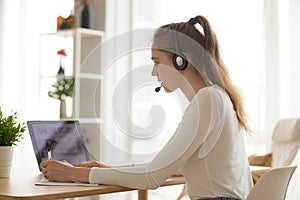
6, 156
61, 71
63, 109
86, 16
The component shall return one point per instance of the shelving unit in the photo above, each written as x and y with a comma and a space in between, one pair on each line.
83, 61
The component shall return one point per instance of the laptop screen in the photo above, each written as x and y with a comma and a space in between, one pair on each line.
58, 140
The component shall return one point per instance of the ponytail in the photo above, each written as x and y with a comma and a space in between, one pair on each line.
211, 45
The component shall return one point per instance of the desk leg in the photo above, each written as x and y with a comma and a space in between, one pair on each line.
143, 195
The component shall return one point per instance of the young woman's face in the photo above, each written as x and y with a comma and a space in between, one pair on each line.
164, 70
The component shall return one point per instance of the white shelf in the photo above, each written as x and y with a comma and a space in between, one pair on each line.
72, 32
90, 120
88, 76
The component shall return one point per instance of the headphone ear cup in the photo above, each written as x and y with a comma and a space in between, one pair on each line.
179, 62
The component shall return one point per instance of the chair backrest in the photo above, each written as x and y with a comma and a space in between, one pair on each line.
273, 184
286, 142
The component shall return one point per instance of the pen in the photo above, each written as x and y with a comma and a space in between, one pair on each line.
49, 154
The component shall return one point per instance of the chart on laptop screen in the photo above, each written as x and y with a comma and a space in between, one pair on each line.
58, 140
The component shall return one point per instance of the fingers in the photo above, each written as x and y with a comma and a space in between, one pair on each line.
47, 166
91, 164
86, 164
45, 163
44, 172
55, 170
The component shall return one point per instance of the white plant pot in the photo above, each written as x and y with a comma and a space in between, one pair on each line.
6, 156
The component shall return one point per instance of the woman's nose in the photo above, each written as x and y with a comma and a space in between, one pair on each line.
154, 70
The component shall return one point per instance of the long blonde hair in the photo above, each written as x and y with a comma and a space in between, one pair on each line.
209, 42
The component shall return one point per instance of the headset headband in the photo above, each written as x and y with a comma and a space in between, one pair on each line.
174, 29
179, 60
193, 21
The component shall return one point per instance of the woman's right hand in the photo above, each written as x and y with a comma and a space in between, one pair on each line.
92, 163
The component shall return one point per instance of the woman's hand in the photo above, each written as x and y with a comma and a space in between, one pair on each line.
92, 163
63, 171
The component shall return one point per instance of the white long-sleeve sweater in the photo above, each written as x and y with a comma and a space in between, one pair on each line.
207, 148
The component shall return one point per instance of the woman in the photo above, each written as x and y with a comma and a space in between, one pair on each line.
208, 145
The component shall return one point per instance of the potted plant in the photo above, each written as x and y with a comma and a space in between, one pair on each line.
11, 132
63, 88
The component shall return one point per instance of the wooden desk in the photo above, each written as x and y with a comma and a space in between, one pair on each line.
21, 186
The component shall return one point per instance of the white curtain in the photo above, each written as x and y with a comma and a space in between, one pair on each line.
19, 68
279, 74
118, 20
21, 23
19, 83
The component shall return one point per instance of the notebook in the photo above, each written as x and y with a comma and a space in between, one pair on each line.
58, 140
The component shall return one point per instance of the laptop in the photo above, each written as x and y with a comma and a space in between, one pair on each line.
58, 140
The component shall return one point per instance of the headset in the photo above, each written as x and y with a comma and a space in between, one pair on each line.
179, 60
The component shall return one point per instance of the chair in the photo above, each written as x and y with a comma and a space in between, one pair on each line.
286, 142
273, 184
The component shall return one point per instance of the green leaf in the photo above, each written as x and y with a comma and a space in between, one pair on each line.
11, 131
